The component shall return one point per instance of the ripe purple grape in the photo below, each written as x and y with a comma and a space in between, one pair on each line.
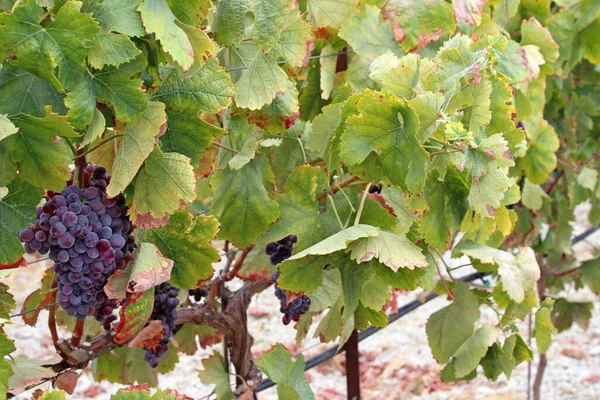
68, 228
165, 304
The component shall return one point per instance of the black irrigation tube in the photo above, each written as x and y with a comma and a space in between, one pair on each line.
333, 350
402, 311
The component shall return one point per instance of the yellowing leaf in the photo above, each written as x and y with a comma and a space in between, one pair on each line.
133, 315
384, 136
330, 12
394, 251
162, 183
186, 240
138, 142
148, 269
543, 328
338, 241
214, 372
159, 19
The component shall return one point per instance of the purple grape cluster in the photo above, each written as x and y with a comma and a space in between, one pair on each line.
165, 304
88, 236
375, 188
281, 249
198, 294
294, 310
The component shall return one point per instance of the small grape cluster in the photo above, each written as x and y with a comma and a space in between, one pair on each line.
165, 304
279, 251
282, 249
375, 188
294, 310
198, 294
88, 236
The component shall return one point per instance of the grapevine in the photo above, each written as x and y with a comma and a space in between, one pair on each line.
162, 163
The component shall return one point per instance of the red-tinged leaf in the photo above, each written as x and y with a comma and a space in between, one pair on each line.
19, 263
149, 336
382, 201
133, 315
135, 388
178, 396
39, 298
67, 381
148, 269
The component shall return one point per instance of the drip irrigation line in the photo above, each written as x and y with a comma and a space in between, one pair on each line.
341, 53
362, 335
33, 310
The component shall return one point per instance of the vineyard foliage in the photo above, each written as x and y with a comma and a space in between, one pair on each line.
231, 124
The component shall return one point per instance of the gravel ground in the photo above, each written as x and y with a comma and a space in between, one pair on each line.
396, 363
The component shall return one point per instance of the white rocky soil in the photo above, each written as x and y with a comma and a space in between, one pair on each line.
396, 363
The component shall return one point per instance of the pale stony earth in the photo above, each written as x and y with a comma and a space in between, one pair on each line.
396, 363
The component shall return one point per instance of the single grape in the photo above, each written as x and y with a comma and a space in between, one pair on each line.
66, 241
26, 235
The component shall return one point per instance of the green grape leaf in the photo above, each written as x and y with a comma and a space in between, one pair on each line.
328, 65
111, 48
427, 106
26, 370
190, 12
187, 334
310, 95
517, 273
589, 273
419, 23
533, 33
294, 43
473, 350
173, 173
533, 196
206, 89
214, 373
565, 313
394, 251
323, 132
329, 293
338, 241
202, 44
133, 315
543, 328
96, 128
519, 63
332, 13
7, 128
455, 60
22, 92
450, 327
268, 21
259, 84
62, 45
299, 210
588, 178
241, 203
291, 152
135, 147
446, 207
488, 190
330, 327
158, 18
375, 292
589, 43
469, 10
186, 241
277, 364
42, 161
240, 132
124, 366
188, 134
502, 110
7, 302
148, 269
55, 394
540, 160
369, 34
117, 15
385, 135
306, 274
118, 87
105, 155
281, 114
354, 277
41, 297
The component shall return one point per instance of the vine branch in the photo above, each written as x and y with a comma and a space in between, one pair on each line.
337, 187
